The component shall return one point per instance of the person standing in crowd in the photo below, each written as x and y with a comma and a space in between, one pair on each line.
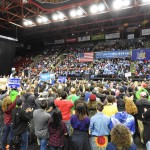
87, 93
13, 94
122, 117
7, 107
73, 97
141, 104
29, 99
20, 120
92, 105
65, 107
146, 123
121, 139
99, 129
109, 108
130, 106
57, 131
80, 123
41, 118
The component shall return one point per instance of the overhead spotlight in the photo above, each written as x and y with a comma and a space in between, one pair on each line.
117, 4
79, 12
73, 13
30, 22
55, 17
101, 7
39, 20
45, 19
93, 9
26, 23
126, 3
61, 16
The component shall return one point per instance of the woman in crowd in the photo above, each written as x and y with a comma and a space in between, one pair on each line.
92, 105
99, 129
57, 131
130, 107
80, 123
121, 139
7, 107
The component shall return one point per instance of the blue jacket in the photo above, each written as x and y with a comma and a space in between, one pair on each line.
123, 118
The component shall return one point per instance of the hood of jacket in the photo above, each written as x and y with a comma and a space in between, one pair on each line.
13, 95
121, 116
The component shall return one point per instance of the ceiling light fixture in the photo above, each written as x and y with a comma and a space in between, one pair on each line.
93, 9
73, 13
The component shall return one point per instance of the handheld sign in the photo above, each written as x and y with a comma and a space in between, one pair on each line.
3, 82
62, 79
14, 83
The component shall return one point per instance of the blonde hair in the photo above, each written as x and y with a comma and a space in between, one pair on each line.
121, 137
130, 107
73, 91
6, 103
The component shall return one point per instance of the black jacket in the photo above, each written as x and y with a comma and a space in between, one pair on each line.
146, 123
141, 104
20, 120
29, 101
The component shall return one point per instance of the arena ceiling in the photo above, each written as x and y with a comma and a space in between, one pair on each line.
13, 14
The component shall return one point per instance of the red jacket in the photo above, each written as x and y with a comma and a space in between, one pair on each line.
7, 113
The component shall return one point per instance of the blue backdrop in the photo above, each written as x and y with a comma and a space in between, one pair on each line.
112, 54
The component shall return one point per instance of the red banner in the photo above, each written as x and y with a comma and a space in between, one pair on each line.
71, 40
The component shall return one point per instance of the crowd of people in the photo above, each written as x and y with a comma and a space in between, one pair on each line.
118, 67
79, 114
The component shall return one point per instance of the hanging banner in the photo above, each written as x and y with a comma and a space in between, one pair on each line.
71, 40
84, 38
145, 31
98, 37
130, 36
141, 54
112, 54
48, 42
112, 36
62, 41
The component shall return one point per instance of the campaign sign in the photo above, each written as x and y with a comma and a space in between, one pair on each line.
62, 79
14, 82
52, 78
128, 74
45, 77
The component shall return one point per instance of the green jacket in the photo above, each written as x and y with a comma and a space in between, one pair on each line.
137, 94
13, 95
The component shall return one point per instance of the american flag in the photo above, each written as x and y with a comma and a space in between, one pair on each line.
86, 57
